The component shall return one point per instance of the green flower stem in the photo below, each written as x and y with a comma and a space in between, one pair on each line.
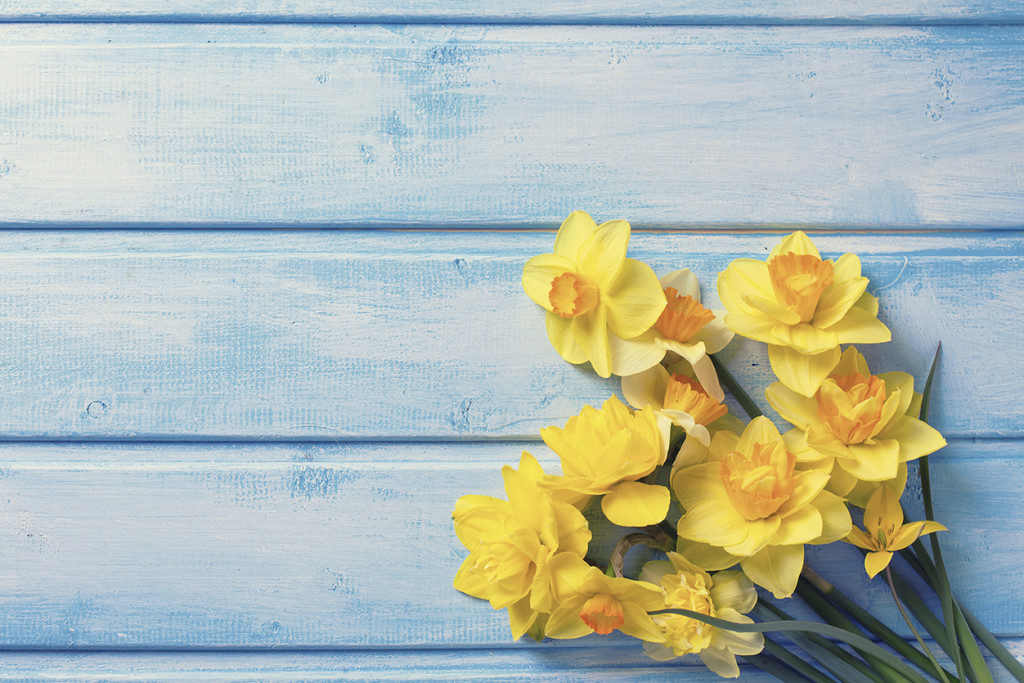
776, 668
894, 640
922, 613
842, 664
941, 584
798, 665
747, 403
906, 617
831, 614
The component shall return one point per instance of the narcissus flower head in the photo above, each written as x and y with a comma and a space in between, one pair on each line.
679, 398
803, 307
596, 299
747, 500
727, 595
511, 543
605, 452
884, 530
865, 423
588, 602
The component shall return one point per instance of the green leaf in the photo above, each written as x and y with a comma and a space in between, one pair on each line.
803, 668
776, 668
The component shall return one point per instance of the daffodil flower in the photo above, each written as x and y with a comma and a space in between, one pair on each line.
596, 299
681, 399
863, 423
511, 543
750, 502
588, 601
726, 595
605, 452
885, 531
689, 330
803, 307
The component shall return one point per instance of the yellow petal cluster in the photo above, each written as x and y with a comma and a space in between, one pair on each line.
748, 501
681, 399
727, 595
591, 602
885, 531
511, 543
863, 423
596, 299
605, 452
803, 307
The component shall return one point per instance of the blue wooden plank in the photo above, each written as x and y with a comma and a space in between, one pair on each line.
363, 335
504, 126
526, 12
305, 545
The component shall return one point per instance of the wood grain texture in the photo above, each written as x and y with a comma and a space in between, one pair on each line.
527, 12
417, 335
505, 126
350, 545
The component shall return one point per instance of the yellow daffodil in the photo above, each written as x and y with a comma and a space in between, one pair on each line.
689, 330
803, 307
511, 544
681, 399
727, 595
596, 299
748, 501
885, 530
588, 602
605, 452
864, 423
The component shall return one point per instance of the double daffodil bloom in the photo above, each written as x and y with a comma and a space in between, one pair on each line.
591, 602
596, 299
681, 399
749, 502
511, 544
885, 530
605, 452
727, 595
863, 423
802, 307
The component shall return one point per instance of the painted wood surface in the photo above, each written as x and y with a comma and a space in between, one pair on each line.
232, 453
527, 11
504, 126
350, 545
409, 335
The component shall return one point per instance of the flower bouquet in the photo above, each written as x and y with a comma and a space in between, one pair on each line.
729, 504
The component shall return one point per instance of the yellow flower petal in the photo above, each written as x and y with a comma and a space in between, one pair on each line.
630, 356
699, 482
915, 438
733, 590
716, 335
776, 568
604, 253
756, 327
562, 339
683, 281
908, 533
760, 532
711, 522
803, 526
708, 557
590, 331
565, 621
634, 300
846, 267
635, 504
837, 300
795, 243
835, 517
859, 326
721, 661
902, 382
646, 388
805, 338
795, 408
872, 462
575, 230
802, 373
638, 623
521, 617
772, 308
759, 430
538, 273
876, 562
744, 277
